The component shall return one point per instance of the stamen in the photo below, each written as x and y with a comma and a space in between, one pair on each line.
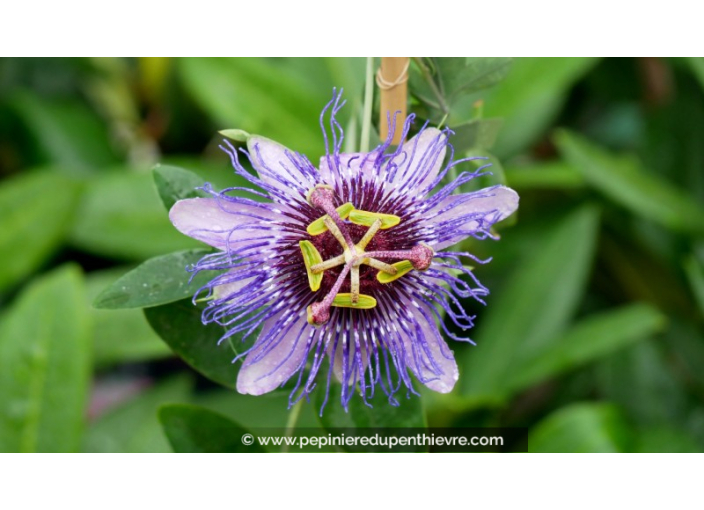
419, 257
367, 219
318, 226
363, 302
401, 268
311, 258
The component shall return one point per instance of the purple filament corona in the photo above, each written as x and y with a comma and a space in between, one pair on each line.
261, 291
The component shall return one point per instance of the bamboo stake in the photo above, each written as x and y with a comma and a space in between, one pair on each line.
392, 79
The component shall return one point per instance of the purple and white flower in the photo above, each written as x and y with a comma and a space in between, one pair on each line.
342, 268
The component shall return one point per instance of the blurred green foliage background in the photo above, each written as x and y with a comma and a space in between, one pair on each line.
594, 333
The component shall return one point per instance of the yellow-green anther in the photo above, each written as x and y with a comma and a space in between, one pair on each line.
311, 256
318, 226
344, 300
402, 268
368, 218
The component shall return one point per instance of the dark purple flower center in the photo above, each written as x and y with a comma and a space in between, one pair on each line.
351, 255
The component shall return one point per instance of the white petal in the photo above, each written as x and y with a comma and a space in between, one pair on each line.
350, 164
352, 358
490, 205
274, 166
419, 162
259, 376
428, 356
222, 224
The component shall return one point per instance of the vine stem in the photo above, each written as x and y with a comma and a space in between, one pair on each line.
291, 423
368, 105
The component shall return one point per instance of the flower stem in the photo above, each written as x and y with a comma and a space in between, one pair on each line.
291, 423
351, 139
368, 104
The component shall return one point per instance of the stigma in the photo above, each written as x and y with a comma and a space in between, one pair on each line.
336, 221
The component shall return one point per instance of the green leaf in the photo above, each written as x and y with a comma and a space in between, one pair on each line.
154, 76
640, 380
157, 281
696, 64
686, 341
179, 325
218, 172
477, 133
530, 98
277, 98
347, 74
36, 210
120, 216
133, 427
695, 274
174, 184
193, 429
256, 412
440, 82
624, 181
495, 175
581, 428
540, 298
45, 365
588, 340
666, 440
120, 335
67, 133
409, 413
545, 175
465, 75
